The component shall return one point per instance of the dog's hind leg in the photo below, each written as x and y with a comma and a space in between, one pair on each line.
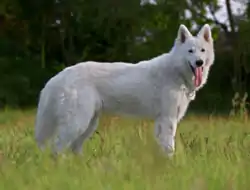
74, 118
76, 146
70, 130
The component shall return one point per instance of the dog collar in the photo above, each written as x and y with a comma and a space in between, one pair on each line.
189, 94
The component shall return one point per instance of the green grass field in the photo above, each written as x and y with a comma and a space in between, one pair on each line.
212, 153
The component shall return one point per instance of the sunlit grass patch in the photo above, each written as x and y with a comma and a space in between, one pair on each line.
212, 153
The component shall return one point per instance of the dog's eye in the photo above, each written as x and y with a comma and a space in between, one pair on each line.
202, 50
190, 51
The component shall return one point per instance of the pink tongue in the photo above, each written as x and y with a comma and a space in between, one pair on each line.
198, 76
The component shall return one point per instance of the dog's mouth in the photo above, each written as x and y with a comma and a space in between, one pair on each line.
197, 71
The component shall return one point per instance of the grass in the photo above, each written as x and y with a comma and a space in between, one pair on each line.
212, 153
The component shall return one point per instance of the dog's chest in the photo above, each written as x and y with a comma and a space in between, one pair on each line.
183, 102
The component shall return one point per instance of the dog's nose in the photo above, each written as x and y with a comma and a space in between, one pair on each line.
199, 63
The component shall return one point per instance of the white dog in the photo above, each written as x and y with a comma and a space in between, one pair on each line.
160, 89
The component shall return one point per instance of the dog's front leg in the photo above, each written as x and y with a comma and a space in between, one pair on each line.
165, 130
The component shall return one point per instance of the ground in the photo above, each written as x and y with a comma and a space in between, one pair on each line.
212, 153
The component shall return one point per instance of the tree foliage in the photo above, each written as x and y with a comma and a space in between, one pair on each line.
39, 38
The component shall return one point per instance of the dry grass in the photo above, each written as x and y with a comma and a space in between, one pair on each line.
212, 153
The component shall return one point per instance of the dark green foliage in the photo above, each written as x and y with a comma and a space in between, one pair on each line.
39, 38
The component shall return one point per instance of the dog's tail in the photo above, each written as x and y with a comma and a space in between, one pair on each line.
45, 121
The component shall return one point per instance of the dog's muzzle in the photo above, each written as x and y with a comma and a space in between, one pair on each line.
192, 68
197, 72
198, 63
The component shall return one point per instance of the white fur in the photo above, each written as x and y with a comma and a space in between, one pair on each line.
160, 88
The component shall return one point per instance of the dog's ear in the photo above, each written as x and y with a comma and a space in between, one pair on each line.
205, 32
183, 33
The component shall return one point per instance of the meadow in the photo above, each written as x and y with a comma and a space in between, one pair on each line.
211, 153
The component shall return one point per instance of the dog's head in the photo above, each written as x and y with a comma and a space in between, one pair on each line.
196, 53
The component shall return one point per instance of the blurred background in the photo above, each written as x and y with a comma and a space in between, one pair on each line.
39, 38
